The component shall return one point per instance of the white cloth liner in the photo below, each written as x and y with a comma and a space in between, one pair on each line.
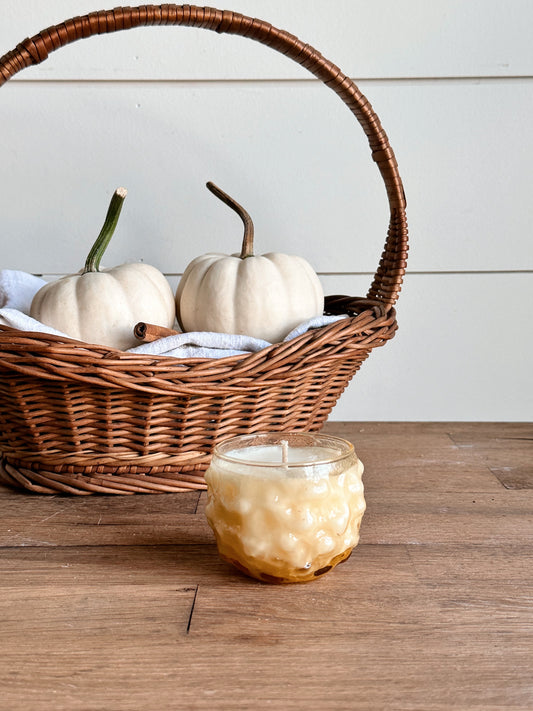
17, 289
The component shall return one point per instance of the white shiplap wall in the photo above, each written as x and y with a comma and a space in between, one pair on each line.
162, 110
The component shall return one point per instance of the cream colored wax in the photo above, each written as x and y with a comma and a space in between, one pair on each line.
285, 523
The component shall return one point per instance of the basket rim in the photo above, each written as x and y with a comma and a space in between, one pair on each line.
65, 359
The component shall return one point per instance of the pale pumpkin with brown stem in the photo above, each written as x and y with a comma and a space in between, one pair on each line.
264, 296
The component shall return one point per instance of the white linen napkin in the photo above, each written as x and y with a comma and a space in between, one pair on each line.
202, 344
18, 288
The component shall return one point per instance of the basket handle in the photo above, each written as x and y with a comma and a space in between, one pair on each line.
389, 274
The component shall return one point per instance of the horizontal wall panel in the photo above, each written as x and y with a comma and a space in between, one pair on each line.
291, 153
382, 38
461, 352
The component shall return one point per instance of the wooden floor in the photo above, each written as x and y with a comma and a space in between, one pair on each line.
122, 603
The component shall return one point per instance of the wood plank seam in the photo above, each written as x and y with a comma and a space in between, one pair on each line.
476, 455
192, 609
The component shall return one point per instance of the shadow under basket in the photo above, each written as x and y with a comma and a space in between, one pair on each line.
77, 418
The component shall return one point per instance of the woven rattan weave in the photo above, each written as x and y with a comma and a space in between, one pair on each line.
81, 419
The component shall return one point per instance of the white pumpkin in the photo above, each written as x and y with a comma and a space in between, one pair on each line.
262, 296
103, 307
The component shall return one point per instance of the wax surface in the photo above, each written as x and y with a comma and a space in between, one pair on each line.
272, 454
276, 522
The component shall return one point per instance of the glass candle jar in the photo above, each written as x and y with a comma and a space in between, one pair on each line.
285, 507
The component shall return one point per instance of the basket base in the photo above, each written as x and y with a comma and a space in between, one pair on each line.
49, 482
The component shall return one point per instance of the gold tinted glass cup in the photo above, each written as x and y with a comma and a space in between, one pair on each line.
285, 508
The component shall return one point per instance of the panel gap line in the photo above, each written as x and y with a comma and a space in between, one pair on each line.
273, 80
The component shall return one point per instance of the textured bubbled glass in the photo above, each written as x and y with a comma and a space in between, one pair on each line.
285, 507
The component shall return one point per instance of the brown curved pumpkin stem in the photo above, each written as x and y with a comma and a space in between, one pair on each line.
248, 239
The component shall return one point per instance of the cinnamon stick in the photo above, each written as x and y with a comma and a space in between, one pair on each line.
148, 332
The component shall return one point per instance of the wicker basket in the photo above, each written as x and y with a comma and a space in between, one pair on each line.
82, 419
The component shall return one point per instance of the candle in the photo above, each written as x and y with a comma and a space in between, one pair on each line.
285, 508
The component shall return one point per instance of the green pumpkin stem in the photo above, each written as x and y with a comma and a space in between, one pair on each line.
248, 239
92, 263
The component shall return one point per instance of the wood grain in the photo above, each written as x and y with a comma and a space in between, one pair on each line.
123, 603
506, 451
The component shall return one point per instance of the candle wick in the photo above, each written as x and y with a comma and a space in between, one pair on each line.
284, 451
